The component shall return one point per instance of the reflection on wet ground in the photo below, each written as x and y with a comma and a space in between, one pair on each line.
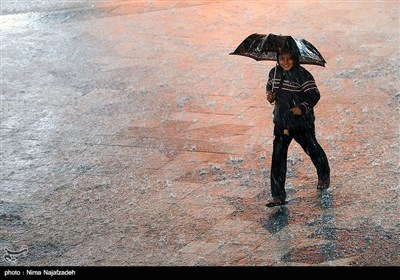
277, 221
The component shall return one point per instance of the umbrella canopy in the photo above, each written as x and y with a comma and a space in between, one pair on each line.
266, 47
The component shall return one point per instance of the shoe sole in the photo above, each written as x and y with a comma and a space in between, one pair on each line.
270, 205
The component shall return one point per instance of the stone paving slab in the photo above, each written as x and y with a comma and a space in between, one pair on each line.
130, 137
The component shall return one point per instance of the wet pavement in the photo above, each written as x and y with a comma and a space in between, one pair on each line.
130, 137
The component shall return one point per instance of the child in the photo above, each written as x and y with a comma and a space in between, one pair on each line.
292, 89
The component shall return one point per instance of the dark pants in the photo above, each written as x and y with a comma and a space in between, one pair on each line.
305, 136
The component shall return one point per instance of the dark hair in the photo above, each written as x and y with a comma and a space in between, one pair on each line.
292, 54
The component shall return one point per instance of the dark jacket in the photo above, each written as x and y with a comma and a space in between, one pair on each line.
295, 87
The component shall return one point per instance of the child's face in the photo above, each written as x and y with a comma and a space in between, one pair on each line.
286, 61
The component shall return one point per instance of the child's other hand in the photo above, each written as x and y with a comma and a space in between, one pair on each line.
296, 111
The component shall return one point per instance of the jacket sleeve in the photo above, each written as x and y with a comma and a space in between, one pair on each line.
310, 92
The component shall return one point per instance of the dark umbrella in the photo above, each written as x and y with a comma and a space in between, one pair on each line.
266, 47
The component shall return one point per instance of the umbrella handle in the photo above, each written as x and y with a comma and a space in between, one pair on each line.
274, 77
272, 82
